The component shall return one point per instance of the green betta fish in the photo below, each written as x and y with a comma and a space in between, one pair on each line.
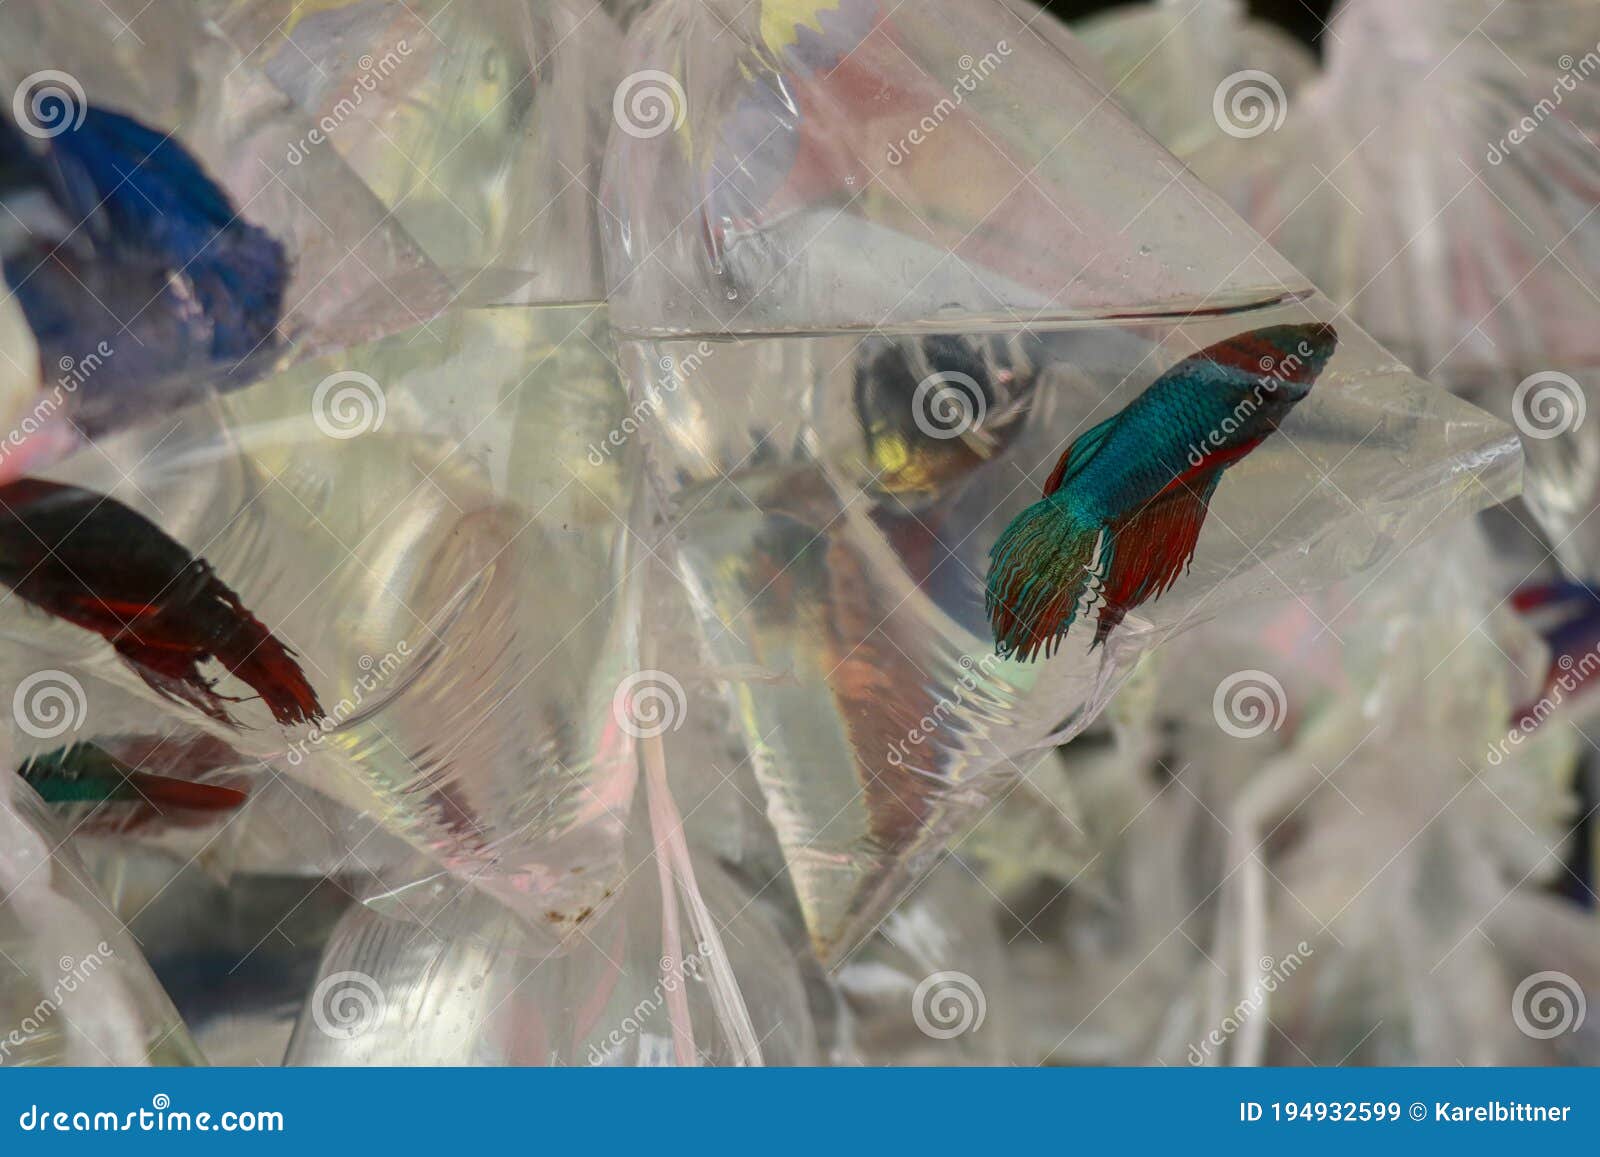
1122, 511
88, 773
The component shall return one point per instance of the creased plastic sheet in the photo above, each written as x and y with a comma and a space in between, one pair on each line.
478, 126
1191, 71
683, 967
1321, 847
136, 129
1436, 180
467, 712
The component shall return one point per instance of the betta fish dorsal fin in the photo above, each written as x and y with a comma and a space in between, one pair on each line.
1153, 545
1081, 450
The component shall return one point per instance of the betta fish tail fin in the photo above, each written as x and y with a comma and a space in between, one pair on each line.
198, 617
1040, 570
94, 562
244, 646
164, 791
1153, 545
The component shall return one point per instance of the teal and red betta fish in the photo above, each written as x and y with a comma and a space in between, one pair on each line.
94, 773
1123, 508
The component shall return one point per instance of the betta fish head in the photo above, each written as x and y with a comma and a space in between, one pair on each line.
1261, 374
932, 409
1294, 355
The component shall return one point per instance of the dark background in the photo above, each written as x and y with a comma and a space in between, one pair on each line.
1304, 18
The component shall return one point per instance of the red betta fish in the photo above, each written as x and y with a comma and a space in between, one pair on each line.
1123, 508
86, 558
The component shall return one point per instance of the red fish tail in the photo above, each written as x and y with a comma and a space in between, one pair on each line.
97, 563
182, 794
255, 655
201, 618
1150, 547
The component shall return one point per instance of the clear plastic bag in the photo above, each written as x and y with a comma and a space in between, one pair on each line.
170, 246
78, 990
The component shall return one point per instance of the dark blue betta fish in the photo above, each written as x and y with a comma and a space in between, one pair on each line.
1122, 511
132, 267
